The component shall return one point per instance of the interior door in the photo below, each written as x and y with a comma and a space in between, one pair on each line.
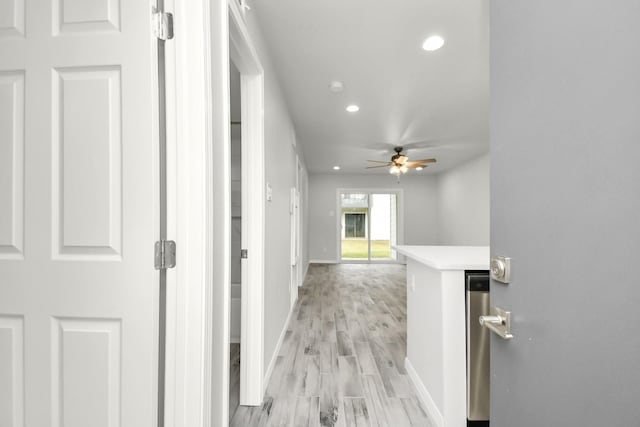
565, 203
294, 233
78, 213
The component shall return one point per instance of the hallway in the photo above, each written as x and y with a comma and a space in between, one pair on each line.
342, 359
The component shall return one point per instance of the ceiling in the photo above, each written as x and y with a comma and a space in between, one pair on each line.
405, 94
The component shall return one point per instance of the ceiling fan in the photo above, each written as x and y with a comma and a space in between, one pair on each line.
400, 163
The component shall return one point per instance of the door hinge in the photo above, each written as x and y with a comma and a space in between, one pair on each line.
162, 25
244, 253
165, 254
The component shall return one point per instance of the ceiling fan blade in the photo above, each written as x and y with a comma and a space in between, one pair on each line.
379, 161
373, 167
421, 165
424, 161
444, 142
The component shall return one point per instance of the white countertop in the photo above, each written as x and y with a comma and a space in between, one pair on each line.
448, 257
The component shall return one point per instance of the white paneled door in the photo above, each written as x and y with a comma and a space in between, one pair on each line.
78, 214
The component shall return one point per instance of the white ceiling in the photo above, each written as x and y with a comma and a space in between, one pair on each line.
405, 94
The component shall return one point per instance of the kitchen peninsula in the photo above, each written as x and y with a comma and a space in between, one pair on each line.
436, 340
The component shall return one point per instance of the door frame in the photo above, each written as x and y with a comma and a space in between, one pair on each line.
190, 381
296, 235
199, 212
246, 60
399, 221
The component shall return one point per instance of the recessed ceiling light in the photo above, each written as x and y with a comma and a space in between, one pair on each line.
419, 168
336, 86
433, 43
353, 108
336, 168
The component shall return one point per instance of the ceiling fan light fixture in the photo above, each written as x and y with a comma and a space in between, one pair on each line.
394, 170
404, 169
433, 43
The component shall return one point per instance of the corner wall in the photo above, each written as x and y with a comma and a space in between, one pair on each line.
463, 204
280, 166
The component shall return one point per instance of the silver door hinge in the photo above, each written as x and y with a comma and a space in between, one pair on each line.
244, 253
164, 254
162, 25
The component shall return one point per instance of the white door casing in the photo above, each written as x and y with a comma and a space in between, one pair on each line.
245, 57
78, 213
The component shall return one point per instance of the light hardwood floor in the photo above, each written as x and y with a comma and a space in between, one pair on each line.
342, 360
234, 379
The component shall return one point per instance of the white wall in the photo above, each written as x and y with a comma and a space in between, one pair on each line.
281, 175
463, 204
419, 200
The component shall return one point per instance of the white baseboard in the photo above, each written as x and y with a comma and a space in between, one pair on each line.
323, 261
276, 352
425, 397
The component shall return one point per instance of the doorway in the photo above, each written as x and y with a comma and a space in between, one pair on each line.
249, 130
295, 223
368, 225
235, 95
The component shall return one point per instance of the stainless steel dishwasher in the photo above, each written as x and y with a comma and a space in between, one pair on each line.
477, 302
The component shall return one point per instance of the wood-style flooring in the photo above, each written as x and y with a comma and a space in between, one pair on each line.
234, 379
342, 359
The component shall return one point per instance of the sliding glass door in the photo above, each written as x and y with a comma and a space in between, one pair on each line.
383, 226
354, 210
368, 226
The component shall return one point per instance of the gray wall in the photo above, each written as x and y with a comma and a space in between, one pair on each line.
463, 204
420, 214
565, 149
281, 175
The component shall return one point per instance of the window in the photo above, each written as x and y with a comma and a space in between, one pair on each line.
354, 225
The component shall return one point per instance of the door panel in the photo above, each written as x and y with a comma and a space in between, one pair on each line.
86, 355
87, 169
11, 370
564, 206
383, 226
78, 214
354, 213
12, 18
12, 163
